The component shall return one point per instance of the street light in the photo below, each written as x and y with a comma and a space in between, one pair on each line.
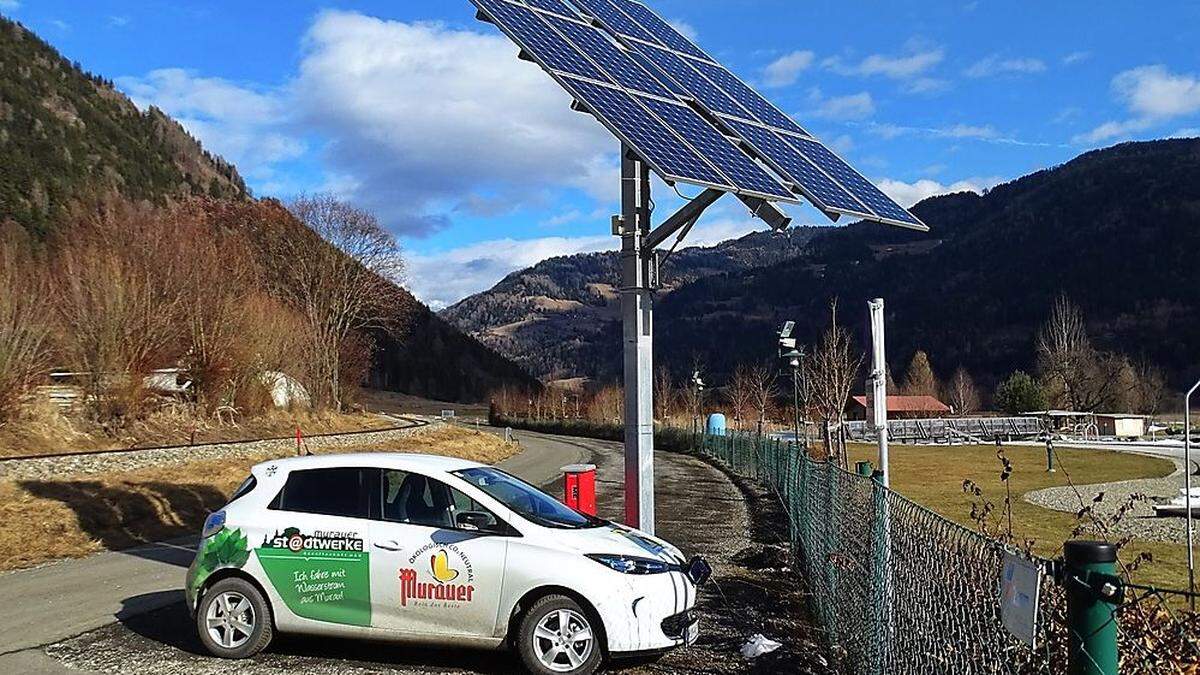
1187, 488
793, 358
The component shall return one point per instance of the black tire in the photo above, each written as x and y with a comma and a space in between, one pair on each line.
527, 642
243, 645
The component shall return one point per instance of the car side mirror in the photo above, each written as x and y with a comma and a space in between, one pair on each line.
476, 521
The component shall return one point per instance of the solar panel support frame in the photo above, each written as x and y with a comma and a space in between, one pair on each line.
637, 311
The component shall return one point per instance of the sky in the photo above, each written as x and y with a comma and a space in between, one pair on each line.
472, 158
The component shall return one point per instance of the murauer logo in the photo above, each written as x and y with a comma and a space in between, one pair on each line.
443, 572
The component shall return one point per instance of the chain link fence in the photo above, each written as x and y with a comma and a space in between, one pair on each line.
900, 589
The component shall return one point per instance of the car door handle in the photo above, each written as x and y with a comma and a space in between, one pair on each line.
390, 545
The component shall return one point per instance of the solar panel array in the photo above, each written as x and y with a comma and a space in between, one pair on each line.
686, 115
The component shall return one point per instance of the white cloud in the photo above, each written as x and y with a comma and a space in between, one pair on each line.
423, 114
118, 21
10, 5
1193, 132
903, 67
995, 65
909, 194
441, 279
688, 30
911, 69
785, 70
245, 125
854, 107
1076, 57
1153, 96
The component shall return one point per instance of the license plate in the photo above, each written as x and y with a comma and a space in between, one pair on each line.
693, 633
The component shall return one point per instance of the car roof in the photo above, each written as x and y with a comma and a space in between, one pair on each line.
384, 460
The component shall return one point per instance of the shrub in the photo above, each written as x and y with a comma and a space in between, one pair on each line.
1019, 394
24, 330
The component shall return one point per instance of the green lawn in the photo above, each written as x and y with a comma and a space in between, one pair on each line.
933, 477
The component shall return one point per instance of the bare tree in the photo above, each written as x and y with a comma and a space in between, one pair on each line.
1152, 388
24, 328
741, 394
962, 393
664, 395
831, 372
341, 275
763, 390
1084, 378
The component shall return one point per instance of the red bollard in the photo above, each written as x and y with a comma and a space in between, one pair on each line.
579, 487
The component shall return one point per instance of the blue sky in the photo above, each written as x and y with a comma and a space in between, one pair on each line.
416, 111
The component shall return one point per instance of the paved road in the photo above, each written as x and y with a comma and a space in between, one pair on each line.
51, 603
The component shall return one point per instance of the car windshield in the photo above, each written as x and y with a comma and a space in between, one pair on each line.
527, 501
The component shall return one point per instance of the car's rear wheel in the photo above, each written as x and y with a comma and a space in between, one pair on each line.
558, 636
234, 620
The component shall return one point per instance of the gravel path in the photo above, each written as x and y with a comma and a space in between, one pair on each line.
58, 467
1140, 521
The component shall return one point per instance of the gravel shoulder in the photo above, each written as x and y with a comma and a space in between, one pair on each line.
1140, 521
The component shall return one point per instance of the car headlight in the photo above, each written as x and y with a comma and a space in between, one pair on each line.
213, 524
633, 565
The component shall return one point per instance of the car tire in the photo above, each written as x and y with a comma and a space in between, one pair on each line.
550, 639
234, 620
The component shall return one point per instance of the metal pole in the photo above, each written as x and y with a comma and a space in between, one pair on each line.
1187, 489
879, 385
637, 312
1091, 583
796, 399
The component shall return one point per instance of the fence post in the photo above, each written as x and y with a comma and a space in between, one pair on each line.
1091, 613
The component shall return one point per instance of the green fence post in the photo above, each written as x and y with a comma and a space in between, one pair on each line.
864, 469
1092, 585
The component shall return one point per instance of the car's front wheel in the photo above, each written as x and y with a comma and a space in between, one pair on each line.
558, 636
234, 620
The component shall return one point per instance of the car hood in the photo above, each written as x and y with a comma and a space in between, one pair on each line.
618, 540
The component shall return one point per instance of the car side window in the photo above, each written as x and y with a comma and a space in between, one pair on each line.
341, 492
420, 500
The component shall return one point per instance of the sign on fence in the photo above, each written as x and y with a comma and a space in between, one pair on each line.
1020, 585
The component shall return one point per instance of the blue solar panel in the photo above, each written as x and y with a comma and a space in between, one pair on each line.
860, 187
649, 66
818, 187
691, 80
751, 100
552, 6
665, 32
645, 133
539, 39
714, 146
616, 20
611, 58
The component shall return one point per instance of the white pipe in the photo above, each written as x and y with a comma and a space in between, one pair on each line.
879, 385
1187, 483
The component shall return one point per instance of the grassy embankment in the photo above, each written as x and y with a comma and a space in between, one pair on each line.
52, 519
933, 477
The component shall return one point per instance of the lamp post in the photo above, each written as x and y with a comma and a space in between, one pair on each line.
698, 385
1049, 454
793, 358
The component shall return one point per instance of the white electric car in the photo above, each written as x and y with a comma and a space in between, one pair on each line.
434, 550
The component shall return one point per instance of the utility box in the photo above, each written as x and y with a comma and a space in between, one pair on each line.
716, 425
579, 487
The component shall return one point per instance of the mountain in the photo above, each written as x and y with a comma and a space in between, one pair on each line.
69, 140
67, 136
1116, 229
555, 318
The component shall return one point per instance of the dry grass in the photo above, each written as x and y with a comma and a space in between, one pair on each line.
933, 477
42, 430
51, 520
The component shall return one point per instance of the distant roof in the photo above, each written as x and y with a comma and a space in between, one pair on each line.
909, 404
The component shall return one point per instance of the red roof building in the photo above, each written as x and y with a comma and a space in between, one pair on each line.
899, 407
